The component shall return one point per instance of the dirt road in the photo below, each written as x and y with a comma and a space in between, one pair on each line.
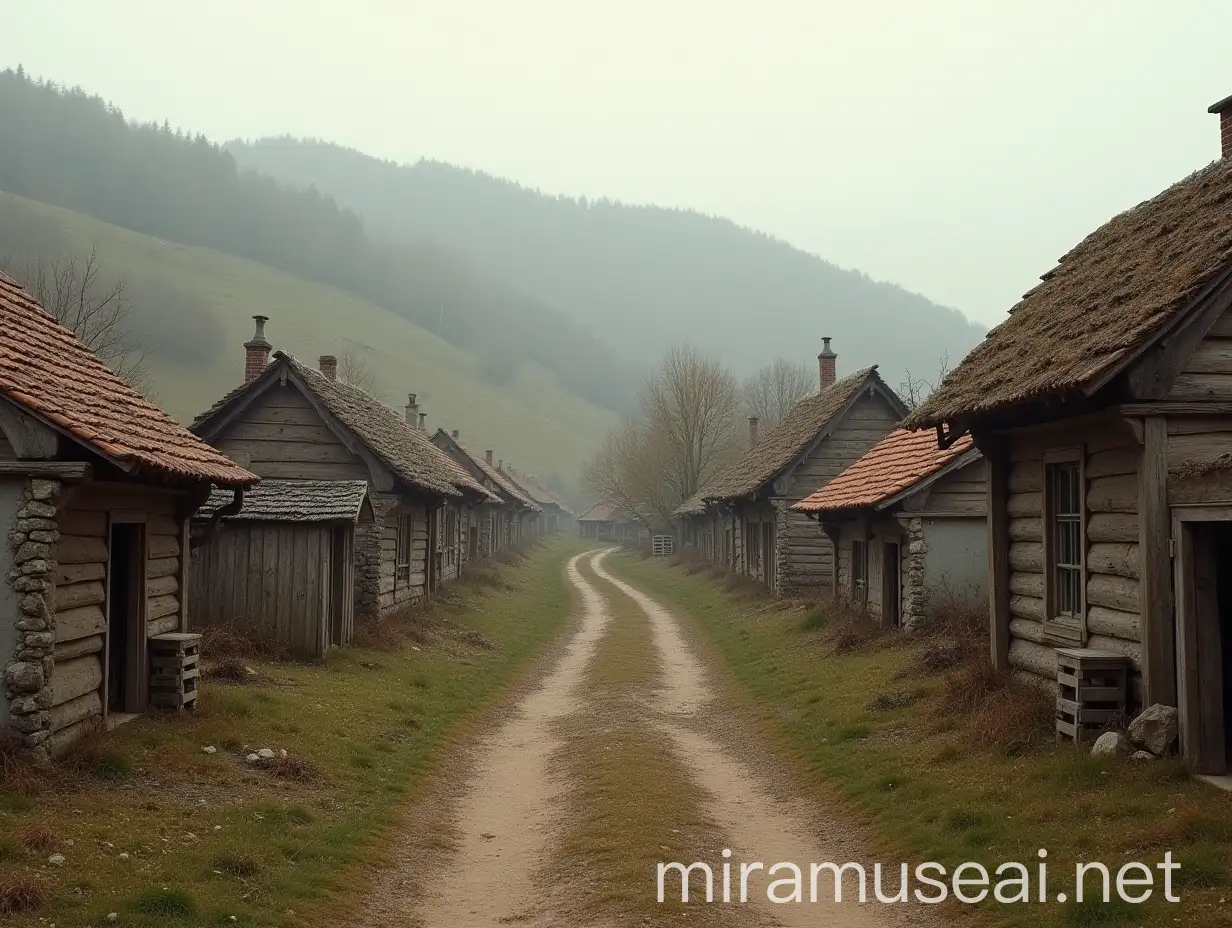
510, 818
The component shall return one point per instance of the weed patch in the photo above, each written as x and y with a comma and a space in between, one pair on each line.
22, 893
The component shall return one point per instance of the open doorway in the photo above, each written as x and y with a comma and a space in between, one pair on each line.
125, 677
1204, 641
892, 580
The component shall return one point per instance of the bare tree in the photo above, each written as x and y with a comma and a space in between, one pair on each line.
354, 370
77, 293
777, 387
914, 390
686, 430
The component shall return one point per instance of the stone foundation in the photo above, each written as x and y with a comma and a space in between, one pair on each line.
27, 676
915, 595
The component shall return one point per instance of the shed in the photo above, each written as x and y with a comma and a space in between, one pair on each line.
607, 521
908, 522
96, 489
1103, 406
282, 569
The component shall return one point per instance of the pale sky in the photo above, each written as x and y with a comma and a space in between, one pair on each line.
955, 148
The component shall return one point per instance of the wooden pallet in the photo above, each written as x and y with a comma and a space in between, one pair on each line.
1092, 692
174, 670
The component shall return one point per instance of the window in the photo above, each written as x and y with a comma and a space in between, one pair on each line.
451, 535
403, 556
859, 571
1064, 546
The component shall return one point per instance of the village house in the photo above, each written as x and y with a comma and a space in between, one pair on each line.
743, 516
1103, 407
290, 422
282, 568
493, 531
606, 521
526, 525
553, 515
97, 487
908, 523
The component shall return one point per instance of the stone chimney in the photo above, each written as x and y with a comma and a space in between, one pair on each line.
754, 430
328, 365
412, 411
454, 433
256, 352
500, 465
1224, 109
825, 363
423, 422
487, 456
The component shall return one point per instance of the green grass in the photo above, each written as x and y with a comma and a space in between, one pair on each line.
208, 837
928, 790
534, 422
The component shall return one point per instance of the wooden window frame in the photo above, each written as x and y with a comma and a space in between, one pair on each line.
404, 547
1063, 629
859, 577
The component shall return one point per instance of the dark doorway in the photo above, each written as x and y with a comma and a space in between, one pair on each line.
1222, 544
125, 601
472, 543
1205, 645
768, 552
892, 579
340, 573
434, 550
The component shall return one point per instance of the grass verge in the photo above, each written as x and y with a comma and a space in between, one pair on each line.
867, 734
155, 830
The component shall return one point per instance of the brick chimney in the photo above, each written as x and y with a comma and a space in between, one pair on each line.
754, 430
328, 365
256, 351
412, 411
454, 433
825, 363
423, 422
487, 456
1224, 109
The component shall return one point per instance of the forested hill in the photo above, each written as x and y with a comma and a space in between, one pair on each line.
639, 276
73, 150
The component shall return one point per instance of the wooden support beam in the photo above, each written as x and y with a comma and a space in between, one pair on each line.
1155, 590
997, 490
56, 470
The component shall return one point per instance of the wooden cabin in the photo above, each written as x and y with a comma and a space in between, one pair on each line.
907, 521
288, 421
752, 526
282, 568
492, 530
607, 521
96, 489
1103, 407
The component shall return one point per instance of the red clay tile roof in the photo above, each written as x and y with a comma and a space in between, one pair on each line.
46, 369
896, 463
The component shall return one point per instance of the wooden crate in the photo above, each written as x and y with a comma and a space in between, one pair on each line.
1092, 692
174, 670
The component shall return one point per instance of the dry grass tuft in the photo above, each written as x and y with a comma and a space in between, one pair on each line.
509, 556
17, 775
22, 893
484, 575
37, 838
999, 709
743, 585
231, 670
956, 619
409, 625
220, 642
295, 769
894, 699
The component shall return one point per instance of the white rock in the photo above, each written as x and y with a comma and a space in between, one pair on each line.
1111, 744
1142, 755
56, 860
218, 828
266, 754
282, 753
123, 855
112, 916
1155, 729
252, 758
209, 749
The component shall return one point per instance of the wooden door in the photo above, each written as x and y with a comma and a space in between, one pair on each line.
892, 584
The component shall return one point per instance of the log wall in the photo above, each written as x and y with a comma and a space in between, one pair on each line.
1110, 460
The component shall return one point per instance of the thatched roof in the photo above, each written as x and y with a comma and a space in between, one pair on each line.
606, 510
1100, 307
695, 505
406, 451
294, 501
48, 371
897, 463
504, 486
803, 425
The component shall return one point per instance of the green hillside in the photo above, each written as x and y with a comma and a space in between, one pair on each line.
193, 309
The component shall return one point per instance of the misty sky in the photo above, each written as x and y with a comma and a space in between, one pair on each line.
956, 148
